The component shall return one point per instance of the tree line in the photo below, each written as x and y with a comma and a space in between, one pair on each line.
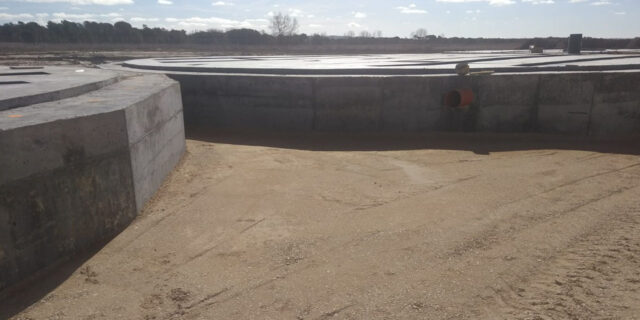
87, 32
283, 32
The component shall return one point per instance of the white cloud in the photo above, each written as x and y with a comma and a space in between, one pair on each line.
221, 4
165, 2
84, 2
17, 16
4, 8
292, 12
111, 15
593, 3
359, 15
73, 17
42, 18
295, 12
354, 25
200, 23
620, 13
411, 9
140, 19
539, 1
496, 3
313, 25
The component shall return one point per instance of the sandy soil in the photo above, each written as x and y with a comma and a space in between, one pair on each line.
314, 229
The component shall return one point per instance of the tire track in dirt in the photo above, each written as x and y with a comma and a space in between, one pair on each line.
501, 234
597, 278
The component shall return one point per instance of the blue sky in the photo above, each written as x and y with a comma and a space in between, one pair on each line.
463, 18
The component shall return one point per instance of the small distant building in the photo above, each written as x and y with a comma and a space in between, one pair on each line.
535, 49
575, 44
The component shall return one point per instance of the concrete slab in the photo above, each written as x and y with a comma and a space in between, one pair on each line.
394, 64
22, 87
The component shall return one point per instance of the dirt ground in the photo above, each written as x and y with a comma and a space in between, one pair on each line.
370, 228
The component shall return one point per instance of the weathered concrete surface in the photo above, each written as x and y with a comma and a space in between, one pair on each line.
241, 102
42, 84
615, 106
539, 93
323, 226
599, 105
155, 128
76, 171
394, 64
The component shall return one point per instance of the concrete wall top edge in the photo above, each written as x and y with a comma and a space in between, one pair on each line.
426, 76
114, 97
392, 64
451, 73
27, 87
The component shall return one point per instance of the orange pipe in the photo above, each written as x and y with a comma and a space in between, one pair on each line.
458, 98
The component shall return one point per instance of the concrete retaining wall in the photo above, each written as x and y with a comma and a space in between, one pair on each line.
76, 171
595, 104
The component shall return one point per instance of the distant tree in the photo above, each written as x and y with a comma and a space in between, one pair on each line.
124, 32
210, 36
420, 34
365, 34
243, 36
32, 32
283, 25
377, 34
319, 39
71, 31
350, 34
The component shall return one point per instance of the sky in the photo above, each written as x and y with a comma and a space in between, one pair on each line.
451, 18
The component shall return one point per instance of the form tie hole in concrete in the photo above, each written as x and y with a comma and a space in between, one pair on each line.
25, 67
12, 82
33, 73
458, 98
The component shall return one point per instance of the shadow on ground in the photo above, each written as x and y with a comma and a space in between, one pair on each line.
479, 143
19, 297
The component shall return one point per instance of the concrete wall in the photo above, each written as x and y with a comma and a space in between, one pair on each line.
76, 171
156, 140
588, 104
